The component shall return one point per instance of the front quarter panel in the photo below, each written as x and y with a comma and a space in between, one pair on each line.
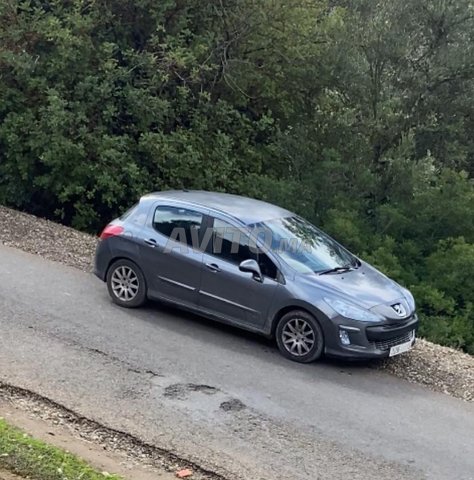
296, 295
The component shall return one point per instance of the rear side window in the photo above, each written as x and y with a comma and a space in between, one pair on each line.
180, 224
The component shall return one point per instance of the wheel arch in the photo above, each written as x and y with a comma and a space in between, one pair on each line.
297, 305
116, 259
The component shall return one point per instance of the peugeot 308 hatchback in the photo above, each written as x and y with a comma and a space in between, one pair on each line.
257, 266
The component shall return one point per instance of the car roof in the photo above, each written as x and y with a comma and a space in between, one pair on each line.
247, 210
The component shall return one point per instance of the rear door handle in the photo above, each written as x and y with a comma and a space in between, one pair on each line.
151, 242
213, 267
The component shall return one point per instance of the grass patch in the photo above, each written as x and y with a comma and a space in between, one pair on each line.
28, 457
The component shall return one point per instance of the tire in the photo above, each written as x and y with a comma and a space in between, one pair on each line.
126, 284
299, 337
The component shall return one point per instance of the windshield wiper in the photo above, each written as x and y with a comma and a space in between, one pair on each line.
346, 268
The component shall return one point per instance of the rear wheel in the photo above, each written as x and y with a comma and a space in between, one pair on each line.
299, 337
126, 284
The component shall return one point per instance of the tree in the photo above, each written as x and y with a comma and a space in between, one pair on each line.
357, 114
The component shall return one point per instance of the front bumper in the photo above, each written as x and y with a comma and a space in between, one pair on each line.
368, 340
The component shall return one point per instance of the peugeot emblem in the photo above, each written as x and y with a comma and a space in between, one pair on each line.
399, 309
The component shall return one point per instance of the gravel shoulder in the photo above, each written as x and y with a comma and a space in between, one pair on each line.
439, 368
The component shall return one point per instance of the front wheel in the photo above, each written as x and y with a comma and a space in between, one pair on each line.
126, 284
299, 337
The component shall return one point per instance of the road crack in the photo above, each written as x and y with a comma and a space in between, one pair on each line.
98, 352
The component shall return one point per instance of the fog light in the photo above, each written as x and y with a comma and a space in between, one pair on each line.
344, 336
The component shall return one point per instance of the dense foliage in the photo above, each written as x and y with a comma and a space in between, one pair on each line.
358, 114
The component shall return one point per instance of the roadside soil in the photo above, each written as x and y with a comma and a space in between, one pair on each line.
95, 455
4, 475
439, 368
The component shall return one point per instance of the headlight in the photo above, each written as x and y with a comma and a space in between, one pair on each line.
351, 311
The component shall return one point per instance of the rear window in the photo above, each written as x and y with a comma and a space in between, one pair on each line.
135, 215
129, 212
180, 224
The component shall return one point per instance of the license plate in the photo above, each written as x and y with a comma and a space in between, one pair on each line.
402, 348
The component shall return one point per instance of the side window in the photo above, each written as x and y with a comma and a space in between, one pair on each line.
232, 244
267, 267
180, 224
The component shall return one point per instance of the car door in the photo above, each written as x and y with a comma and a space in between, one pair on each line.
225, 291
171, 255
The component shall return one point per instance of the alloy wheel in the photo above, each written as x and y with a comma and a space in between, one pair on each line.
298, 337
125, 283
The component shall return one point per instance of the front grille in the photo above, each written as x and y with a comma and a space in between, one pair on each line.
392, 342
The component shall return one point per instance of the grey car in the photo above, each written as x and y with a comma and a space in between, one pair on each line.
259, 267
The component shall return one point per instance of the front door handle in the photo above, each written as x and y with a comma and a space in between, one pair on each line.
151, 242
213, 267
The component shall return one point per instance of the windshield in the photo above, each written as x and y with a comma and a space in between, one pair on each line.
303, 246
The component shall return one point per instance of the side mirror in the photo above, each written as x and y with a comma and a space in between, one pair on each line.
251, 266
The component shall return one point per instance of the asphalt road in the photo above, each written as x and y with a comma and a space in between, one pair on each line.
224, 399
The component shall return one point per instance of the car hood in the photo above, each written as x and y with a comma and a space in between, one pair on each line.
364, 286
